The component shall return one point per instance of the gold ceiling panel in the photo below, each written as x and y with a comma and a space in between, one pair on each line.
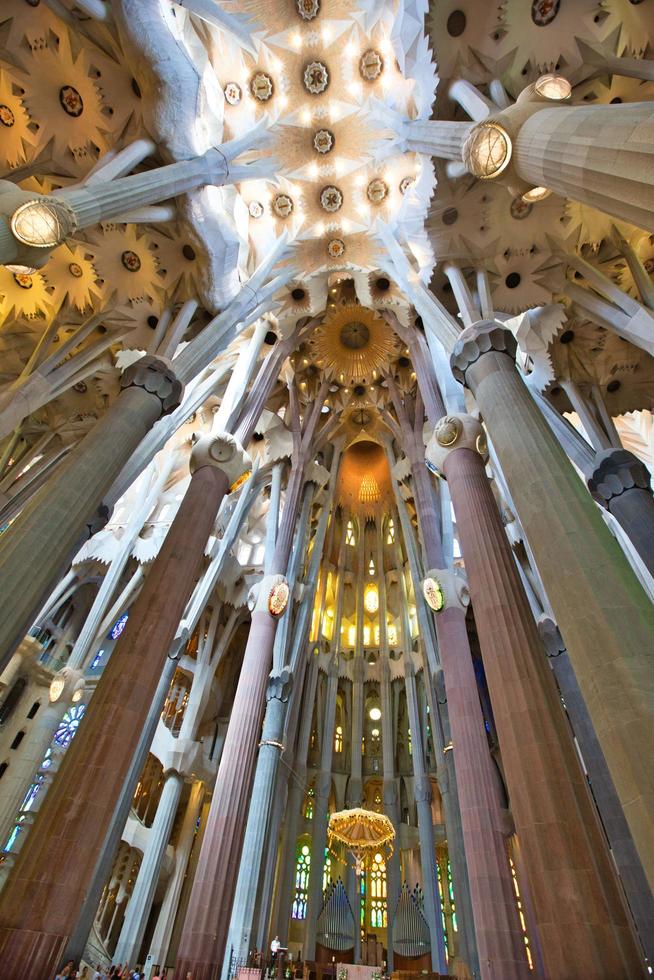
353, 345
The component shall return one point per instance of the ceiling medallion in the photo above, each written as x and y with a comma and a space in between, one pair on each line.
282, 205
71, 101
323, 141
354, 335
336, 248
520, 209
406, 183
278, 598
255, 209
23, 280
130, 260
7, 117
80, 387
377, 190
331, 199
261, 86
308, 9
543, 12
75, 270
553, 87
433, 593
233, 93
371, 65
316, 77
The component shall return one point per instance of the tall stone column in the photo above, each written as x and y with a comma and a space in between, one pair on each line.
497, 929
204, 936
140, 901
563, 846
168, 912
606, 620
622, 484
323, 785
422, 790
50, 525
294, 806
44, 894
630, 869
391, 804
354, 794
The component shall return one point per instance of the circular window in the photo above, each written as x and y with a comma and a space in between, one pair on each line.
298, 293
487, 151
567, 336
613, 386
449, 216
456, 23
512, 281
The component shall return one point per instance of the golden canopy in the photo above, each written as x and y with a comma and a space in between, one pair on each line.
362, 831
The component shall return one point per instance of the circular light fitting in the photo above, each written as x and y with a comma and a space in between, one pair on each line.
278, 598
553, 87
433, 593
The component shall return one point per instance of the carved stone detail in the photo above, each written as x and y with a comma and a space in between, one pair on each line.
452, 587
479, 339
616, 471
279, 685
156, 376
452, 432
224, 452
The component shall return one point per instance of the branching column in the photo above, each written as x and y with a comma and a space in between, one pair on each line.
204, 937
606, 620
50, 525
391, 801
323, 786
560, 836
422, 790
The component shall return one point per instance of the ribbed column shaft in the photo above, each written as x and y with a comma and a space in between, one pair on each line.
425, 827
51, 524
600, 155
606, 619
47, 887
499, 939
634, 510
140, 901
586, 933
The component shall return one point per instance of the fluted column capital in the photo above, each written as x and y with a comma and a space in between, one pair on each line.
483, 337
616, 471
224, 452
456, 431
280, 683
156, 376
444, 589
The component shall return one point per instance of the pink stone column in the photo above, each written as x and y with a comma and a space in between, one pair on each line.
581, 920
497, 928
41, 901
206, 925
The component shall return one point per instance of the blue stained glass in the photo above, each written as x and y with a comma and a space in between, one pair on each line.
118, 627
69, 725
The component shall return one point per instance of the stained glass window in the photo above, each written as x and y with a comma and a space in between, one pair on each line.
378, 892
390, 538
349, 533
118, 627
338, 739
97, 659
302, 869
69, 725
327, 870
308, 804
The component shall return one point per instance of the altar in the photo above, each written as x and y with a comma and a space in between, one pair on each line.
358, 972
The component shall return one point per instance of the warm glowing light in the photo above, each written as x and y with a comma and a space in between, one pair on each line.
296, 40
371, 599
77, 696
536, 194
366, 636
313, 170
43, 223
374, 714
350, 48
487, 150
283, 101
553, 87
351, 635
57, 686
326, 34
391, 632
305, 116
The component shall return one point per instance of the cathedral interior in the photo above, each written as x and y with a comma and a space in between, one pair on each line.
326, 514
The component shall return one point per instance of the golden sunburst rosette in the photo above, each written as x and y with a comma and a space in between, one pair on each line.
353, 344
363, 832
